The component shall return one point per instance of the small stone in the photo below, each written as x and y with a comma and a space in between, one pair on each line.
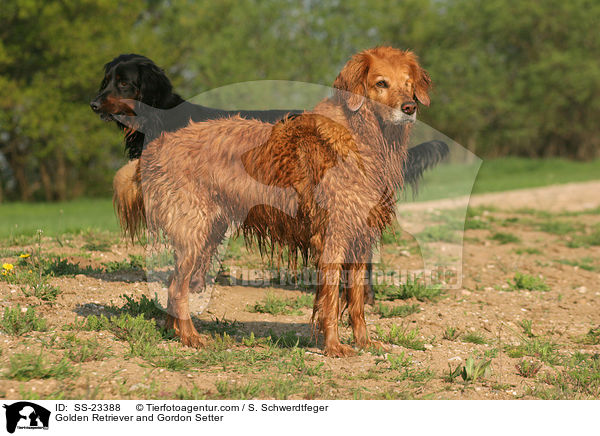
582, 289
455, 359
428, 346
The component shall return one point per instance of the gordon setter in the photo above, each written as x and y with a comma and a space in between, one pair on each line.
134, 77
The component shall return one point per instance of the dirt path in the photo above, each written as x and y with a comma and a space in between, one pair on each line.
571, 197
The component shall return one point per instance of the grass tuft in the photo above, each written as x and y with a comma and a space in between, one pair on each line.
17, 322
399, 335
411, 289
403, 311
527, 282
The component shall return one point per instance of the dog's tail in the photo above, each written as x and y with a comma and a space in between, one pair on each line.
128, 201
421, 158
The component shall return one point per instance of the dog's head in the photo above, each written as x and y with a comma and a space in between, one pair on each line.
130, 77
386, 80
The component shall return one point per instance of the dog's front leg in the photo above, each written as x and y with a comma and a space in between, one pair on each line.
327, 306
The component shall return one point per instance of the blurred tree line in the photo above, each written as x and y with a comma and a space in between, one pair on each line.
510, 77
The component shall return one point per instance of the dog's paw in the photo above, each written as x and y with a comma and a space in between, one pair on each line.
194, 340
340, 350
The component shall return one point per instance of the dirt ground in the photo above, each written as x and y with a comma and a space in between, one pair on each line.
540, 342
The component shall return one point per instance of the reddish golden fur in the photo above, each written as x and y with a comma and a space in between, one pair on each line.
323, 181
127, 199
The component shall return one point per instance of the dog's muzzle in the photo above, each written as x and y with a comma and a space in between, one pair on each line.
400, 117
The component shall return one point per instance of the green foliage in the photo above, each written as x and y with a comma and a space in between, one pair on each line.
541, 348
135, 263
43, 291
399, 335
474, 338
276, 305
527, 282
450, 333
592, 337
84, 350
18, 322
403, 311
27, 366
558, 227
493, 67
505, 238
475, 369
528, 368
412, 288
587, 263
472, 370
526, 325
149, 308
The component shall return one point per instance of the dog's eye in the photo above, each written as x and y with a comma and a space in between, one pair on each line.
123, 84
382, 84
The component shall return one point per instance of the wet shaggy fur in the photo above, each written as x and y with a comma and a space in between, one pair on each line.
325, 179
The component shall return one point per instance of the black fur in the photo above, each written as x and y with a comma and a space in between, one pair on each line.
421, 158
135, 77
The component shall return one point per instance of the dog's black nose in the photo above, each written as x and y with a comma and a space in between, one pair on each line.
95, 105
409, 107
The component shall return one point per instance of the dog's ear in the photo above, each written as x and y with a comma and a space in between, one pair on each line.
155, 86
422, 86
352, 82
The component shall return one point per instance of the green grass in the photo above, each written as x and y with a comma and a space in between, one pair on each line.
474, 338
505, 238
276, 305
586, 240
445, 181
399, 335
592, 337
28, 366
543, 349
527, 282
411, 289
55, 219
16, 322
579, 378
504, 174
527, 251
558, 227
586, 263
528, 368
403, 311
84, 350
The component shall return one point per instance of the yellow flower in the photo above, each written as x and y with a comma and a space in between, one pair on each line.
24, 255
7, 266
3, 272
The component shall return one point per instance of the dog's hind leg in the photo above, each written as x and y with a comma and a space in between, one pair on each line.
178, 309
206, 252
